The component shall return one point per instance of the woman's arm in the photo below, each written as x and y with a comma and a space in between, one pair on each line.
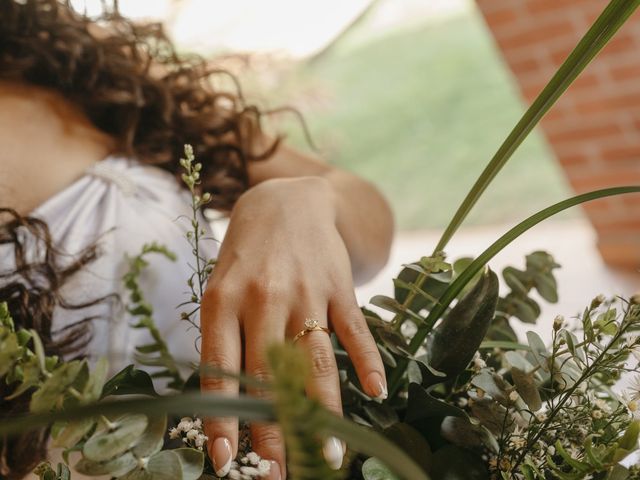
364, 218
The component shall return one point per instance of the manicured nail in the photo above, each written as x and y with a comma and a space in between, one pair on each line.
274, 472
222, 456
377, 386
333, 452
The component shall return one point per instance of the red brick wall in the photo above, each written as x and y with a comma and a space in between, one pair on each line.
594, 129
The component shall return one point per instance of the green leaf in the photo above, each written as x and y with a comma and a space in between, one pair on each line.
453, 463
10, 351
456, 339
52, 391
381, 414
461, 432
546, 286
192, 462
618, 472
538, 349
421, 405
412, 442
629, 440
517, 360
515, 279
129, 381
393, 340
153, 437
114, 468
93, 389
72, 432
31, 374
578, 465
106, 443
373, 469
525, 384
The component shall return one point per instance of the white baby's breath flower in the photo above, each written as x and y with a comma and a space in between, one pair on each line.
264, 467
253, 458
185, 424
197, 424
478, 362
597, 414
192, 434
174, 433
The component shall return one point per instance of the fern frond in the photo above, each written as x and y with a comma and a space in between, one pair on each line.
299, 417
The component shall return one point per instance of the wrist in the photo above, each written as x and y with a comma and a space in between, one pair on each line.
308, 191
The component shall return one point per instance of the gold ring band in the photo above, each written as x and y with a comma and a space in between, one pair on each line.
311, 325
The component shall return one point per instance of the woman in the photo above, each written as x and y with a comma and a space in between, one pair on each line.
91, 120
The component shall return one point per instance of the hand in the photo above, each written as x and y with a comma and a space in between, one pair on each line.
282, 261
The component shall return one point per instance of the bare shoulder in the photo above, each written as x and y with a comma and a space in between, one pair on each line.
46, 145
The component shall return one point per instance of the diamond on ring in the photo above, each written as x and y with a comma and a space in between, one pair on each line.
311, 323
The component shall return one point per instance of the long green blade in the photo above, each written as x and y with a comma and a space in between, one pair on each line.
611, 19
365, 440
459, 283
359, 439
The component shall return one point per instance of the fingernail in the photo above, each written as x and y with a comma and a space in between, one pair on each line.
333, 452
221, 456
274, 471
377, 386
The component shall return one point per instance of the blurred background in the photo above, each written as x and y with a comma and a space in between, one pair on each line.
417, 95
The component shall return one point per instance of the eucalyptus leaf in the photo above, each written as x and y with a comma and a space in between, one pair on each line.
525, 384
108, 443
153, 437
72, 432
538, 349
52, 391
517, 360
374, 469
114, 468
192, 462
546, 286
516, 280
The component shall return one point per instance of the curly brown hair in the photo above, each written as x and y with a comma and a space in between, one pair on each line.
31, 282
131, 84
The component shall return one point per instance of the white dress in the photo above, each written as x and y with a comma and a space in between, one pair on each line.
122, 204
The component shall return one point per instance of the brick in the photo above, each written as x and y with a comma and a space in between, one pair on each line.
623, 73
578, 132
631, 201
620, 43
574, 159
595, 180
610, 224
622, 153
623, 254
545, 6
538, 34
602, 206
525, 66
611, 103
497, 19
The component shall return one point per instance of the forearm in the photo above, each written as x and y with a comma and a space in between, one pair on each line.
363, 216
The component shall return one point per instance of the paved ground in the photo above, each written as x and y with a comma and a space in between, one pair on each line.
582, 276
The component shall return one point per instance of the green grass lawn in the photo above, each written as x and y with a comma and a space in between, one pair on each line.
419, 112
